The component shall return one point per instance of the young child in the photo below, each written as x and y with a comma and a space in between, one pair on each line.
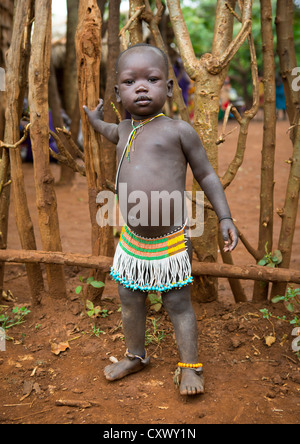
153, 151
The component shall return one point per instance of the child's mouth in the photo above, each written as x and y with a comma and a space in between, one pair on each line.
143, 100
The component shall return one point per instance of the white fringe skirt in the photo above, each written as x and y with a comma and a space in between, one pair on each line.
152, 264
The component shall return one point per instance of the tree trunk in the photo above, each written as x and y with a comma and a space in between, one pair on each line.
235, 285
70, 74
136, 29
88, 50
6, 21
269, 137
209, 74
287, 55
39, 69
16, 80
287, 58
70, 99
109, 148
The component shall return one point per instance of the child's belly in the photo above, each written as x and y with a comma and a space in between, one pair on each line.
151, 200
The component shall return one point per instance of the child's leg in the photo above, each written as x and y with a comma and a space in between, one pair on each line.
134, 320
179, 307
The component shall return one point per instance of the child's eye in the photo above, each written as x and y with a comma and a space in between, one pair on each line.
153, 79
128, 82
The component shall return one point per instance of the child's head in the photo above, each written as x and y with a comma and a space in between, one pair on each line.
141, 46
143, 84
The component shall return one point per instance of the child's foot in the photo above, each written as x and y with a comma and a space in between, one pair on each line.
192, 382
120, 369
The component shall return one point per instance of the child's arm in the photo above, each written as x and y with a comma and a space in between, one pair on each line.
108, 130
209, 182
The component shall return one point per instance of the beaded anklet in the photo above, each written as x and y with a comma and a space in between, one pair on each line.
183, 365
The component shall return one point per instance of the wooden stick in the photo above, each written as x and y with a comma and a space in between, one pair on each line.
17, 144
39, 68
76, 403
17, 63
128, 25
251, 272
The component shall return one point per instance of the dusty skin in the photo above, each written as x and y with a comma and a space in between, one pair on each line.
246, 382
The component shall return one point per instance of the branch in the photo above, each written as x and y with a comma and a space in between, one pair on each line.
216, 64
68, 135
128, 24
248, 246
244, 121
183, 38
64, 156
153, 25
221, 139
17, 144
250, 272
233, 12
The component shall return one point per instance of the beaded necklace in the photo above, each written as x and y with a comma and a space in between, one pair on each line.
129, 145
132, 135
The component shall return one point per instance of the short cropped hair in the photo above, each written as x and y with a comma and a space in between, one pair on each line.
146, 45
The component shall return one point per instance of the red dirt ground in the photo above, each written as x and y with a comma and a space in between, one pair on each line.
247, 382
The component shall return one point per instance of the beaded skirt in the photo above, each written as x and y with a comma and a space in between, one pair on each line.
152, 264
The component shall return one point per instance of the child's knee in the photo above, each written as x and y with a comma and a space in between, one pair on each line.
177, 301
130, 298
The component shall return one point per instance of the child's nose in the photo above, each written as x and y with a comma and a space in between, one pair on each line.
141, 87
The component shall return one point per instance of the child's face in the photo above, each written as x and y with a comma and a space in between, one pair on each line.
142, 82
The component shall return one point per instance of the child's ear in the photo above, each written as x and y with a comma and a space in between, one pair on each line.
170, 88
117, 94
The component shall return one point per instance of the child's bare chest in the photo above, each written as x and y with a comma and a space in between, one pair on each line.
154, 170
154, 160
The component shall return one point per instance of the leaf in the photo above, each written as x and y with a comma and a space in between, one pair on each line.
263, 261
270, 340
89, 305
277, 257
78, 289
89, 279
290, 307
97, 284
97, 310
271, 265
152, 297
156, 306
277, 299
58, 348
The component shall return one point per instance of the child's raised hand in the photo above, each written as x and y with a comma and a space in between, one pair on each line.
230, 234
96, 114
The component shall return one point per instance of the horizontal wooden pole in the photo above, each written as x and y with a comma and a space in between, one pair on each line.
250, 272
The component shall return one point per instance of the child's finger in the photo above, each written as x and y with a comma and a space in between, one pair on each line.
86, 110
231, 242
100, 105
235, 239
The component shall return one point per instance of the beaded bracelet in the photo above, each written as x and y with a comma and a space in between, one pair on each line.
226, 217
183, 365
